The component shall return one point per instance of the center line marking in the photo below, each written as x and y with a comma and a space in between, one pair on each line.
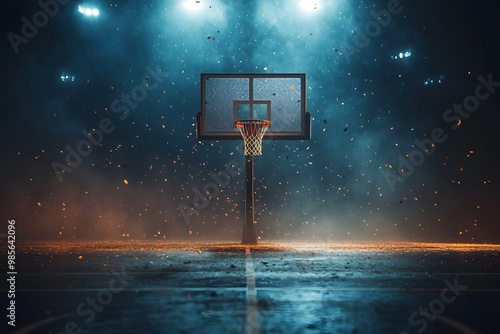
252, 323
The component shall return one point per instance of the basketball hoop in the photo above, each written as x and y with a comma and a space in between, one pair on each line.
252, 131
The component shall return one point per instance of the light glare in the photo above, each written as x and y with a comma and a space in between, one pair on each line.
308, 5
193, 5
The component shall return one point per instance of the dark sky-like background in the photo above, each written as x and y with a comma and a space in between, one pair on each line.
368, 109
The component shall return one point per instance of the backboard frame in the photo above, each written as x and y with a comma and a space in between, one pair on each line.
203, 133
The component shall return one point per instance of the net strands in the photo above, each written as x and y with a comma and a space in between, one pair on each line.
252, 132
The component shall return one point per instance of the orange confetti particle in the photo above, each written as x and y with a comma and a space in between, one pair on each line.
80, 257
459, 122
39, 204
190, 232
125, 181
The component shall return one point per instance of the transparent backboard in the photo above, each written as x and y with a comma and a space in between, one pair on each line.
279, 98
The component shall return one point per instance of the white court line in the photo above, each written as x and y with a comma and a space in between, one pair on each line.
252, 323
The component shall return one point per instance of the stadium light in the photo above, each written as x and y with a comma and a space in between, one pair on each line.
88, 11
65, 78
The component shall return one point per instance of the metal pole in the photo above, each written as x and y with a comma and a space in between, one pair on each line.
249, 235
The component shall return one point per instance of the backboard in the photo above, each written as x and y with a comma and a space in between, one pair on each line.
279, 98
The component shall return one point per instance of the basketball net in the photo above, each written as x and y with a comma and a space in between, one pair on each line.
252, 132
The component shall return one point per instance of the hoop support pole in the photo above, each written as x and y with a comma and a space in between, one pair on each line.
249, 234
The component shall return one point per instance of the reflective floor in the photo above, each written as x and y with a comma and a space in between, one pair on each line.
115, 287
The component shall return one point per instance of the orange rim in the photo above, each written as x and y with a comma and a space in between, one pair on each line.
264, 123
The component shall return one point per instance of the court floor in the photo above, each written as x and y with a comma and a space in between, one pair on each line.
154, 287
